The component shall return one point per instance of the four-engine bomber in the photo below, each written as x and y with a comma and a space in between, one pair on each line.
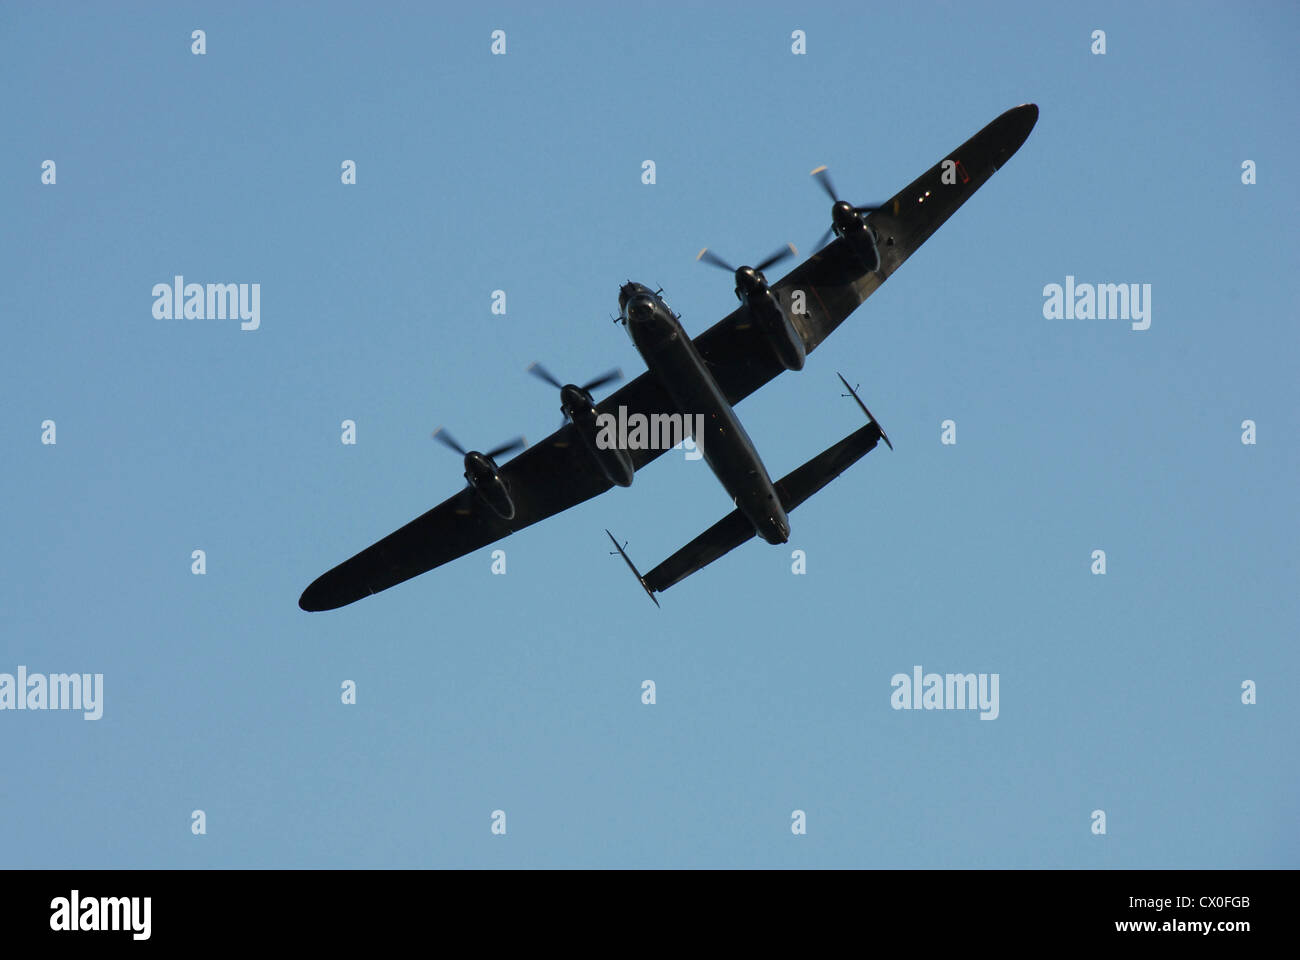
700, 381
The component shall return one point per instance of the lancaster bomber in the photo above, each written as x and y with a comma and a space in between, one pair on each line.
702, 379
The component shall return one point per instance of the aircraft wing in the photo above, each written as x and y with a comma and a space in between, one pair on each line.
833, 282
545, 479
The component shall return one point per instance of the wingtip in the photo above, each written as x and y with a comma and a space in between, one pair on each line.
315, 599
324, 593
1015, 126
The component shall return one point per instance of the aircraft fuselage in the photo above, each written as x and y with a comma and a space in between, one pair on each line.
672, 358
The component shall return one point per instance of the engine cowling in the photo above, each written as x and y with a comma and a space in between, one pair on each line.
482, 474
614, 462
775, 325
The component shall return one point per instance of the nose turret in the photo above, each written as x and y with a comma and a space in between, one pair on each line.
629, 292
640, 308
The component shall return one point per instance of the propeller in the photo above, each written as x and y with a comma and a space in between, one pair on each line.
824, 178
541, 373
566, 394
609, 376
708, 256
448, 440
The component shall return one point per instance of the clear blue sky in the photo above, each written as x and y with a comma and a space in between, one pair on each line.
522, 692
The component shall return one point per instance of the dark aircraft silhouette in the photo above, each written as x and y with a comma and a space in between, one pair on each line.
772, 330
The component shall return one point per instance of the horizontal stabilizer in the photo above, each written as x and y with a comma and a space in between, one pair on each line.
802, 482
721, 538
734, 529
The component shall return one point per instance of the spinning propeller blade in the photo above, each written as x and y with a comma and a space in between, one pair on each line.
789, 250
539, 371
445, 438
518, 443
709, 257
448, 440
613, 376
824, 178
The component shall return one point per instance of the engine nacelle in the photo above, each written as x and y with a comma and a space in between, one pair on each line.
614, 462
482, 474
777, 329
497, 498
849, 224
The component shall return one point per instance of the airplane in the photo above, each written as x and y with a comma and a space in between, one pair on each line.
773, 330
